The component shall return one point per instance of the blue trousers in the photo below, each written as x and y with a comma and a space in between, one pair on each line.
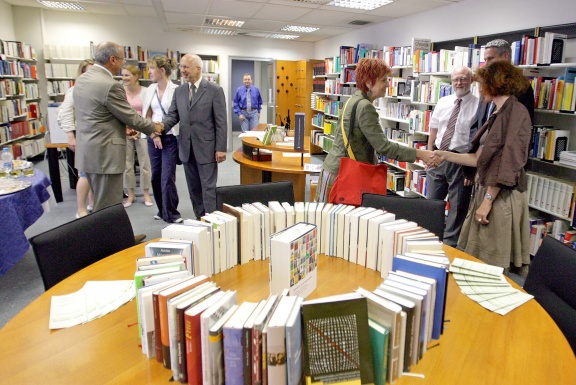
250, 120
163, 165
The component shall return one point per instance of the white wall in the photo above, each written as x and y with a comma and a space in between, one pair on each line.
464, 19
7, 23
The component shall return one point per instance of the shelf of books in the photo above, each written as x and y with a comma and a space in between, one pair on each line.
21, 127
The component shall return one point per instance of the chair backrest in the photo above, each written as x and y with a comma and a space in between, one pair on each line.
552, 282
66, 249
428, 213
282, 191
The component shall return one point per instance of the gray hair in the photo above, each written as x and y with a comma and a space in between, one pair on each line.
467, 70
105, 50
502, 47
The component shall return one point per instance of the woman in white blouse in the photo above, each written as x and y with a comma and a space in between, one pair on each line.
136, 94
163, 149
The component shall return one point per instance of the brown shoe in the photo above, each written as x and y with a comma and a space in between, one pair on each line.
139, 238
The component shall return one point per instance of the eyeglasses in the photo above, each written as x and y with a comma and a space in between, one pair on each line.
460, 80
120, 58
183, 67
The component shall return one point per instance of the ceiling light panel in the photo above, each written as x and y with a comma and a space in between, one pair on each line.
62, 5
367, 5
296, 28
218, 31
224, 22
281, 36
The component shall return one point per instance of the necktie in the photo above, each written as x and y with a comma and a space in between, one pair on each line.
447, 138
191, 92
248, 99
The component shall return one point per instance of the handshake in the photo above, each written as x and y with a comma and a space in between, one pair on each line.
431, 158
158, 127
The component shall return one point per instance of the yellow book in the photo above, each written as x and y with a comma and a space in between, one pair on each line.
559, 91
567, 96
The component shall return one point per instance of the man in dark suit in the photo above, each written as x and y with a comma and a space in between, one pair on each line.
200, 108
102, 114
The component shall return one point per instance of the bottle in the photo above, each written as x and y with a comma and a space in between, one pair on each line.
7, 158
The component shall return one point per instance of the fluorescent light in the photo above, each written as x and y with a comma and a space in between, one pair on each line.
62, 5
296, 28
367, 5
281, 36
225, 22
218, 31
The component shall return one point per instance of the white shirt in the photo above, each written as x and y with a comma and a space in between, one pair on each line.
441, 115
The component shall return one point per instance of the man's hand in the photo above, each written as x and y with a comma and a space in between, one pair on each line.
468, 182
241, 117
220, 156
71, 141
158, 127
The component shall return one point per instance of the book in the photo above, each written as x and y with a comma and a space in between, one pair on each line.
201, 243
247, 342
379, 340
231, 237
223, 244
293, 262
159, 300
279, 215
267, 218
386, 243
269, 134
158, 261
216, 347
209, 318
245, 232
361, 258
276, 341
336, 343
258, 233
372, 238
294, 344
233, 344
299, 118
354, 232
185, 249
257, 348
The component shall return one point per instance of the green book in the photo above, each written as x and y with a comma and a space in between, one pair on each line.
379, 339
270, 131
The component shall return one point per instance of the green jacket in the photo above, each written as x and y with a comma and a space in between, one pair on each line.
367, 137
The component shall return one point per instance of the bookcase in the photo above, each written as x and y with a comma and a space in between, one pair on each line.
21, 127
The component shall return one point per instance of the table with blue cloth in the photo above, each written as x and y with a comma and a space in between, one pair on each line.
18, 211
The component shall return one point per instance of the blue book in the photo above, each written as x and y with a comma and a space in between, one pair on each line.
439, 272
379, 339
233, 333
294, 344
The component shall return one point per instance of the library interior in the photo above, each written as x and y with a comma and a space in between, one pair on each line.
288, 282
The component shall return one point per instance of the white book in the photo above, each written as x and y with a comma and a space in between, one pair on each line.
417, 232
545, 186
372, 238
318, 218
429, 245
386, 243
231, 236
531, 182
210, 234
554, 196
363, 235
562, 191
158, 261
276, 341
290, 217
343, 237
267, 226
325, 227
184, 248
293, 262
299, 212
279, 215
201, 241
568, 199
208, 318
311, 212
355, 231
245, 232
538, 196
222, 244
332, 233
258, 227
347, 237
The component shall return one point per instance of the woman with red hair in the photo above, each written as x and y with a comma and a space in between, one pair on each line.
367, 136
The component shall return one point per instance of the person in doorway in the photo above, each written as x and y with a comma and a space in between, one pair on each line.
248, 104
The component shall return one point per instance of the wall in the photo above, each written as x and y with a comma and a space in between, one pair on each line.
7, 24
466, 18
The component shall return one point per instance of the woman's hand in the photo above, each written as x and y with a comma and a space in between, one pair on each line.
157, 142
483, 211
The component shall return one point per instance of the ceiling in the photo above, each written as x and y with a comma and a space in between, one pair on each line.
261, 17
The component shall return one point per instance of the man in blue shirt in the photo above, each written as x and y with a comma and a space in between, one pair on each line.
248, 108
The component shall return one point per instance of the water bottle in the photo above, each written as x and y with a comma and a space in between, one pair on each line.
7, 159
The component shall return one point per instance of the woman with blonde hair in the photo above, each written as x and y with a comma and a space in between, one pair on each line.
163, 149
66, 121
136, 94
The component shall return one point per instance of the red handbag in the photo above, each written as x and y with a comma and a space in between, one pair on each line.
356, 178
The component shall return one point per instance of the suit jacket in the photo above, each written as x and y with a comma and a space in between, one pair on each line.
203, 125
151, 94
102, 114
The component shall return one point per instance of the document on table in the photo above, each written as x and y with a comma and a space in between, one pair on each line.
253, 134
95, 299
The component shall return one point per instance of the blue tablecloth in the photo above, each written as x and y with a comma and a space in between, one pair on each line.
18, 211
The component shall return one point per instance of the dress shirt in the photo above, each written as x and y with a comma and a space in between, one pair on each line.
461, 140
240, 99
104, 68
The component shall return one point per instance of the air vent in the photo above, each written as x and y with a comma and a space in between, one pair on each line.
185, 30
359, 22
320, 2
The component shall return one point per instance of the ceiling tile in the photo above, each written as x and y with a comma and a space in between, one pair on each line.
234, 9
137, 10
146, 3
281, 13
107, 9
192, 6
184, 18
325, 18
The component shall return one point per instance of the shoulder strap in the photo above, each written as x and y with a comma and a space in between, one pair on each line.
160, 103
352, 122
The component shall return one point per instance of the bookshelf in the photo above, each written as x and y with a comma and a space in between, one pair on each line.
21, 127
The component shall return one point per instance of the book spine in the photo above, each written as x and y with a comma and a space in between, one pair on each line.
256, 356
157, 336
233, 353
247, 355
193, 359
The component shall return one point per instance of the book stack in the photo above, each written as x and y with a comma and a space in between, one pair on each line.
552, 195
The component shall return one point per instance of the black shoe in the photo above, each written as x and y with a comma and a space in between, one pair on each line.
139, 238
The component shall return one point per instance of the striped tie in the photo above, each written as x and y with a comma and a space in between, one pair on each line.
191, 92
447, 138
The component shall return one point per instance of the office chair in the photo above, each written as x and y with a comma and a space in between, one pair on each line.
66, 249
551, 280
428, 213
281, 191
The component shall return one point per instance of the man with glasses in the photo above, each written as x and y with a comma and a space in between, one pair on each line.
102, 114
200, 108
450, 130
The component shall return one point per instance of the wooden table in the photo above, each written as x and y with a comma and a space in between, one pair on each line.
54, 168
279, 168
477, 347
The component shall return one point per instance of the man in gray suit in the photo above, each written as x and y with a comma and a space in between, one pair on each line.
200, 108
102, 114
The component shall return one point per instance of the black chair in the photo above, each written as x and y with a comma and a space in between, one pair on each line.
552, 282
282, 191
66, 249
428, 213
